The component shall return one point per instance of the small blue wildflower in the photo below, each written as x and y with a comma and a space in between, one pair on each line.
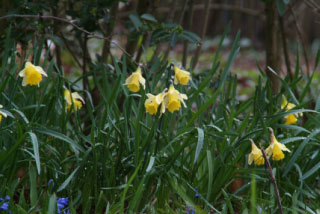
51, 182
63, 203
193, 211
196, 195
4, 204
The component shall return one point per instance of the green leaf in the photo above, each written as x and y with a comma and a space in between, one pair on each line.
33, 186
136, 21
149, 17
76, 147
297, 153
35, 145
67, 181
52, 204
313, 170
199, 144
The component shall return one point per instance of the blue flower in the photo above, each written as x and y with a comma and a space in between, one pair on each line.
63, 203
51, 182
196, 195
4, 204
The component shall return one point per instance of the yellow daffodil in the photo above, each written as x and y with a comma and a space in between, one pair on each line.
291, 118
181, 76
172, 100
134, 80
74, 98
275, 148
32, 75
255, 155
2, 114
153, 102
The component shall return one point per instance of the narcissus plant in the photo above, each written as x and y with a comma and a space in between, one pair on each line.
153, 102
173, 98
256, 155
291, 118
181, 76
275, 149
32, 75
74, 98
134, 80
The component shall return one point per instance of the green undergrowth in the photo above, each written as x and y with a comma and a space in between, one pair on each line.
113, 157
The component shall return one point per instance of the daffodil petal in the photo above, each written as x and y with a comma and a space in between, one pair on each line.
41, 71
250, 159
22, 73
76, 96
3, 114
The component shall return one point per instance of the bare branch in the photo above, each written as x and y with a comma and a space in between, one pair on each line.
70, 22
225, 7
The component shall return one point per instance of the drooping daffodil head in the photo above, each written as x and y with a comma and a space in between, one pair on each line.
2, 114
291, 118
32, 75
73, 98
173, 100
134, 80
181, 76
153, 102
256, 155
275, 149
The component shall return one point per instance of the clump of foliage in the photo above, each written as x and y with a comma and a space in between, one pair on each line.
110, 147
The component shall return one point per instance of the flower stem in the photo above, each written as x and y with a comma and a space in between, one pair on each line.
267, 166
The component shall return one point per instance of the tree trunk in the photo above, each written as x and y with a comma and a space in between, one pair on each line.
273, 57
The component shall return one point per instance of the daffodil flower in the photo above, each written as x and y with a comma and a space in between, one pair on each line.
291, 118
255, 155
275, 148
32, 75
74, 98
153, 102
134, 80
172, 100
2, 114
181, 76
